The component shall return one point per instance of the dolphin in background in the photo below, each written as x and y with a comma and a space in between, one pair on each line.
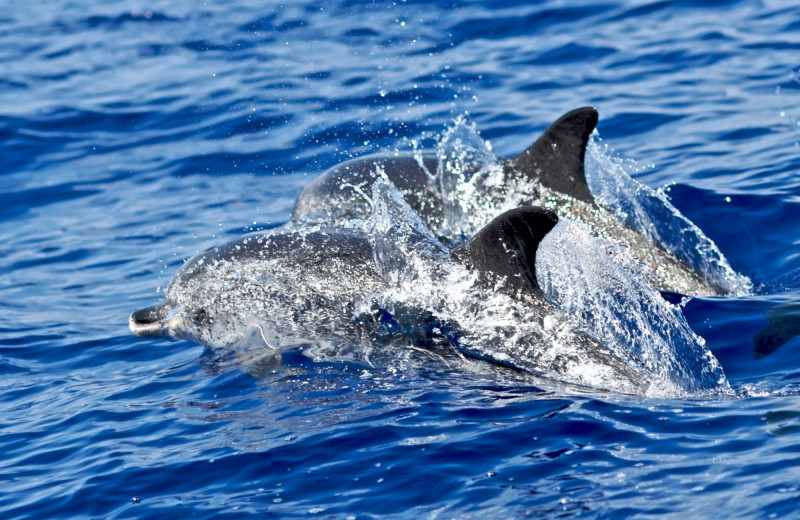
549, 173
784, 325
555, 160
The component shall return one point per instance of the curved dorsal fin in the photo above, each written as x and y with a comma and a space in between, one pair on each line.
556, 158
507, 245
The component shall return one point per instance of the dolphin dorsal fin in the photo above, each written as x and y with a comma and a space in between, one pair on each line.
556, 158
506, 246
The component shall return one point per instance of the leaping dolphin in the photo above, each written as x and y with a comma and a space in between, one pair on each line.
266, 292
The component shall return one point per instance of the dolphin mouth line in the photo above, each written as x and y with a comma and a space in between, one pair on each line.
148, 330
148, 322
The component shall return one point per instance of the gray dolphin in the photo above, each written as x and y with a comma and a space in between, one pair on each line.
555, 160
306, 281
548, 173
266, 292
784, 324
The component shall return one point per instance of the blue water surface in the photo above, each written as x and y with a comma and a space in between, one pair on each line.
133, 134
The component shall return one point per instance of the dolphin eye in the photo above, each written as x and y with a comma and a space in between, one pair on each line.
200, 315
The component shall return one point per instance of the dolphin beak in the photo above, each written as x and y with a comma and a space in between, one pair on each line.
147, 322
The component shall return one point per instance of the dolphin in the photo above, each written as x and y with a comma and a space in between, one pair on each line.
267, 292
784, 324
304, 282
549, 173
555, 159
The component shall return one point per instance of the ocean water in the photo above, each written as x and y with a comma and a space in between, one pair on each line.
133, 135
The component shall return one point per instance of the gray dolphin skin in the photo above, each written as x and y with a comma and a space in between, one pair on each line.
555, 160
549, 173
266, 292
304, 284
341, 192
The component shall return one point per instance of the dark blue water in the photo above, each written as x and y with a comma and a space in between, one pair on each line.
135, 134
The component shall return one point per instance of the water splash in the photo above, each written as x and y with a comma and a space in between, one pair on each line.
403, 248
603, 325
473, 186
429, 289
601, 287
470, 181
650, 212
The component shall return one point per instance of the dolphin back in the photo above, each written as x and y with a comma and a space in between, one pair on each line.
344, 191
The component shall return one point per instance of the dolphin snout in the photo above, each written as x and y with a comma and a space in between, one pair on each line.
147, 321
